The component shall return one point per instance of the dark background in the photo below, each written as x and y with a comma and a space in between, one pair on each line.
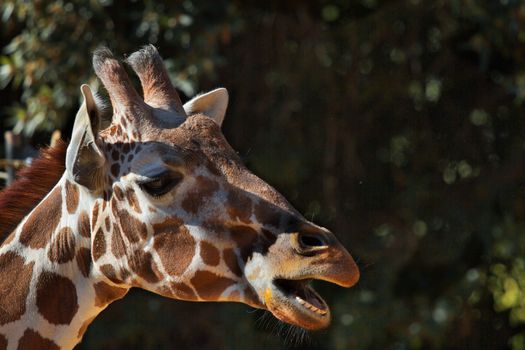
397, 124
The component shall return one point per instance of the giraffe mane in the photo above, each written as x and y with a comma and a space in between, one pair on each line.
31, 186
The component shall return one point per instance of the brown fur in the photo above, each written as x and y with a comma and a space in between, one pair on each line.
156, 84
180, 291
43, 174
71, 197
231, 261
99, 244
62, 249
210, 286
209, 254
204, 190
105, 294
3, 342
84, 327
41, 224
56, 298
14, 289
83, 224
144, 266
33, 340
83, 258
175, 246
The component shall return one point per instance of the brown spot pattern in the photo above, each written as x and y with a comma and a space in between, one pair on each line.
175, 246
181, 291
269, 237
84, 327
94, 216
209, 254
99, 245
84, 261
110, 273
115, 169
231, 261
118, 246
213, 169
71, 197
114, 205
210, 286
204, 189
234, 296
171, 224
83, 224
56, 298
124, 274
32, 340
41, 224
62, 250
267, 214
144, 266
239, 206
245, 237
133, 201
118, 193
266, 241
14, 290
132, 227
107, 222
115, 154
105, 294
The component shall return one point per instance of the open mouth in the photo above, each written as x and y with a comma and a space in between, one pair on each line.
296, 302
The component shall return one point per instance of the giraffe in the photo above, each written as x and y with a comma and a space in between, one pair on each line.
156, 199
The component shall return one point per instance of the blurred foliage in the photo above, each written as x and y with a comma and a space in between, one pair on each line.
398, 124
50, 44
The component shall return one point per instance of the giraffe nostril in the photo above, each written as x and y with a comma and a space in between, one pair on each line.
308, 240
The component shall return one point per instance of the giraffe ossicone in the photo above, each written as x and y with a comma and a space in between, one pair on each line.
157, 200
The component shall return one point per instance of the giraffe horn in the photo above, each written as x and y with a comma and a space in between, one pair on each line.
116, 81
159, 92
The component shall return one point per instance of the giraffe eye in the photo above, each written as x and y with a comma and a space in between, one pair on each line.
162, 184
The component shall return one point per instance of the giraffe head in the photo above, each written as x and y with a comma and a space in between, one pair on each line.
175, 211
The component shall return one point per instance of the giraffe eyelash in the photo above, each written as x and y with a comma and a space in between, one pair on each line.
161, 184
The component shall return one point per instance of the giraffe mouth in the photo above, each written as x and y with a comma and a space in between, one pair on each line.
297, 303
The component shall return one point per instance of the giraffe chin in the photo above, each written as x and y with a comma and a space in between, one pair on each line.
297, 303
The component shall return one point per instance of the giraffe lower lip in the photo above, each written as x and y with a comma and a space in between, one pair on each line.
295, 302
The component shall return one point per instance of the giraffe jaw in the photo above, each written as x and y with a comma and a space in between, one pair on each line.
297, 303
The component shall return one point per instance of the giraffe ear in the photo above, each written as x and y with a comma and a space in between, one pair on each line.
84, 159
212, 104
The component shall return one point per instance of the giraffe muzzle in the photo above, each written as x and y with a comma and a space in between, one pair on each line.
311, 253
329, 259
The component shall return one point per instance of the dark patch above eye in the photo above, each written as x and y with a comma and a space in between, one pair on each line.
161, 184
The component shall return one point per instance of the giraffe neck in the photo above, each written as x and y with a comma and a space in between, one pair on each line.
50, 290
